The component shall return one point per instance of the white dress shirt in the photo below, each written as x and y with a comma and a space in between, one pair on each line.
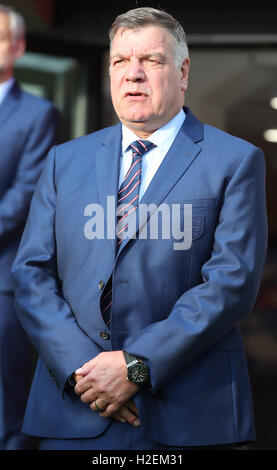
5, 88
151, 161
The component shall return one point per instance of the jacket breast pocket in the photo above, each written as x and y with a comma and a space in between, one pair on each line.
203, 212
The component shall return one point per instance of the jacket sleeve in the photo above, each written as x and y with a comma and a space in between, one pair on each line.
14, 205
42, 310
231, 279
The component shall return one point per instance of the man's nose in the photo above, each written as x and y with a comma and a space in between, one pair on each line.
135, 71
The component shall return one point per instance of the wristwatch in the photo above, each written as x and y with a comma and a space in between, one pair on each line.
137, 371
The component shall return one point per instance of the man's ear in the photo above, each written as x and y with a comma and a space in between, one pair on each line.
19, 48
185, 74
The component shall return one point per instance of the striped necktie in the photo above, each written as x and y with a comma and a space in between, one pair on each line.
128, 194
127, 202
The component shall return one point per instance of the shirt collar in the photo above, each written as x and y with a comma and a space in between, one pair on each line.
162, 136
5, 88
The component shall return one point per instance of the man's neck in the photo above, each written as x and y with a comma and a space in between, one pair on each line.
5, 75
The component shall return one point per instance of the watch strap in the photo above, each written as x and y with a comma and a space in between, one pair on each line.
129, 358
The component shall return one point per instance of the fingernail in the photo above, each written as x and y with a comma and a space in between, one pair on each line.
122, 420
136, 423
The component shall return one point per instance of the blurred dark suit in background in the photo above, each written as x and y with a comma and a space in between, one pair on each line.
28, 128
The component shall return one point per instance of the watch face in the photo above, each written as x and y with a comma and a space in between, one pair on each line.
138, 374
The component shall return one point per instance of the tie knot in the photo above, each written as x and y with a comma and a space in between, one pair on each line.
140, 147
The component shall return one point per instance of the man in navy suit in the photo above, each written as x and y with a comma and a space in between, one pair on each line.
137, 332
27, 131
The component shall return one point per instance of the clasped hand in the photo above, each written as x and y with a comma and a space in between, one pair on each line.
105, 387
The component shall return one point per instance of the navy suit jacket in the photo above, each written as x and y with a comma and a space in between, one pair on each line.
28, 128
177, 309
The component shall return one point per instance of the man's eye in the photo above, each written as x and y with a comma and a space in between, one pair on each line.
151, 61
118, 62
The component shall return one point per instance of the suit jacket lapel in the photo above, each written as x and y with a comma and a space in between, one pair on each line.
107, 176
9, 104
177, 161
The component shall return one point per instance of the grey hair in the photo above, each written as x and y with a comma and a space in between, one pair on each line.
145, 16
17, 22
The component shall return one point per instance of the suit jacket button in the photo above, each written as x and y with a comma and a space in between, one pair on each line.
101, 285
104, 335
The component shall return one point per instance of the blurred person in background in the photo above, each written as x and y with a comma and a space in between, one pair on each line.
139, 343
28, 128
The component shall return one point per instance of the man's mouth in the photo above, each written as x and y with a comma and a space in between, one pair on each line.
134, 93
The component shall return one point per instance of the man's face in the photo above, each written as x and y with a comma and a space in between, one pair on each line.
10, 50
146, 87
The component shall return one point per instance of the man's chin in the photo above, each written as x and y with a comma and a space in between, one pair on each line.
136, 121
143, 124
138, 125
135, 118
